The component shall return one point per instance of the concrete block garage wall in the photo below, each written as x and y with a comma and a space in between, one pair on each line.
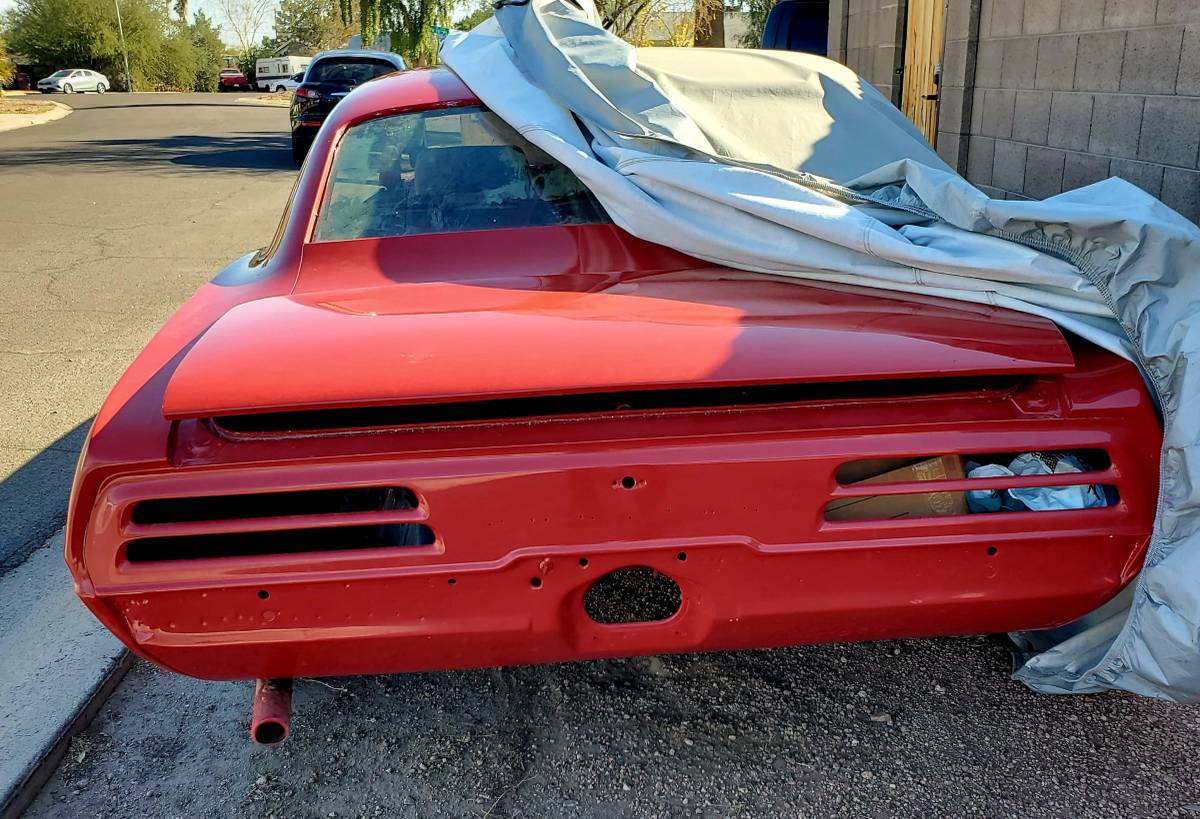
1068, 92
868, 36
1042, 96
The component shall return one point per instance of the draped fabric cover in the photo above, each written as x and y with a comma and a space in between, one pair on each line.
789, 164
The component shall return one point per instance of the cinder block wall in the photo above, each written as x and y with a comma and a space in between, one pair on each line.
1042, 96
868, 36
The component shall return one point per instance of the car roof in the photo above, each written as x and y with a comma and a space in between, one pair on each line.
415, 88
394, 59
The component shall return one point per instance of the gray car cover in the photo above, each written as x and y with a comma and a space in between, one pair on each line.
790, 165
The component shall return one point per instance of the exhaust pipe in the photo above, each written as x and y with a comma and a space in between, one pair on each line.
271, 713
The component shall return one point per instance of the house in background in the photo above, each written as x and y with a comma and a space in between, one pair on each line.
26, 73
1028, 98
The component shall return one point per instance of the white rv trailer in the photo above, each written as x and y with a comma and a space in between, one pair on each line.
270, 73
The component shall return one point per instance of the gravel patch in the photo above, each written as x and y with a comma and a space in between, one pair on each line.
283, 99
905, 728
23, 106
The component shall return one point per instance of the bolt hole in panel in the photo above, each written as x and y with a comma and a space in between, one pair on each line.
636, 594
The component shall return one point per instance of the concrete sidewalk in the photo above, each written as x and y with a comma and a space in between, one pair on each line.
10, 122
59, 665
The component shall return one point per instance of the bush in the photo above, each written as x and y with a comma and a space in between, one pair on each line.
174, 65
248, 62
8, 70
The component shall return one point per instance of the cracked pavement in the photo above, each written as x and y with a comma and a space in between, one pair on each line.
109, 220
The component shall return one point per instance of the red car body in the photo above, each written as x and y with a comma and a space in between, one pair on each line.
558, 403
233, 80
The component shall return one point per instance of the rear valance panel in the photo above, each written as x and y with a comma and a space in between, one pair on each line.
428, 343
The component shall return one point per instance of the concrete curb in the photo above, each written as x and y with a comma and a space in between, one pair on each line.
60, 666
25, 120
282, 102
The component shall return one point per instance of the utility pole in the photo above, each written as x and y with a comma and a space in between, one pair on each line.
124, 50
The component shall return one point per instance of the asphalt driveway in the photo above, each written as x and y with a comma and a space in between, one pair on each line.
109, 219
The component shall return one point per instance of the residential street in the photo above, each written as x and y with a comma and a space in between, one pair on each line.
110, 218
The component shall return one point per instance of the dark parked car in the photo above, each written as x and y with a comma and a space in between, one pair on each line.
330, 77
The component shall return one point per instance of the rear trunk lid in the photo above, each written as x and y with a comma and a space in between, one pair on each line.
420, 343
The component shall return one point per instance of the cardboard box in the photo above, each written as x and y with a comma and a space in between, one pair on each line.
890, 507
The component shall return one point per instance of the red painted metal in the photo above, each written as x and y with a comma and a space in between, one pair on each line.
528, 512
271, 712
407, 343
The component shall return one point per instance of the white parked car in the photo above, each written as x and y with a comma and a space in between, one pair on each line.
72, 80
289, 83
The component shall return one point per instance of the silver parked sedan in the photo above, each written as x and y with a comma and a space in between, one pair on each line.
71, 80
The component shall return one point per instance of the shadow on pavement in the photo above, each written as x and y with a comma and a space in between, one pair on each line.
78, 103
251, 152
34, 498
75, 103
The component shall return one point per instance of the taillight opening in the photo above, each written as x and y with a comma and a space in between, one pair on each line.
273, 504
284, 541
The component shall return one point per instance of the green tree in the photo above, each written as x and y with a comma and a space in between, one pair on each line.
176, 62
206, 40
408, 22
756, 21
625, 17
8, 69
317, 24
248, 60
481, 12
164, 54
83, 34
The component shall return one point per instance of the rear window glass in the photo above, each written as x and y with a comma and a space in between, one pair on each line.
444, 172
348, 72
